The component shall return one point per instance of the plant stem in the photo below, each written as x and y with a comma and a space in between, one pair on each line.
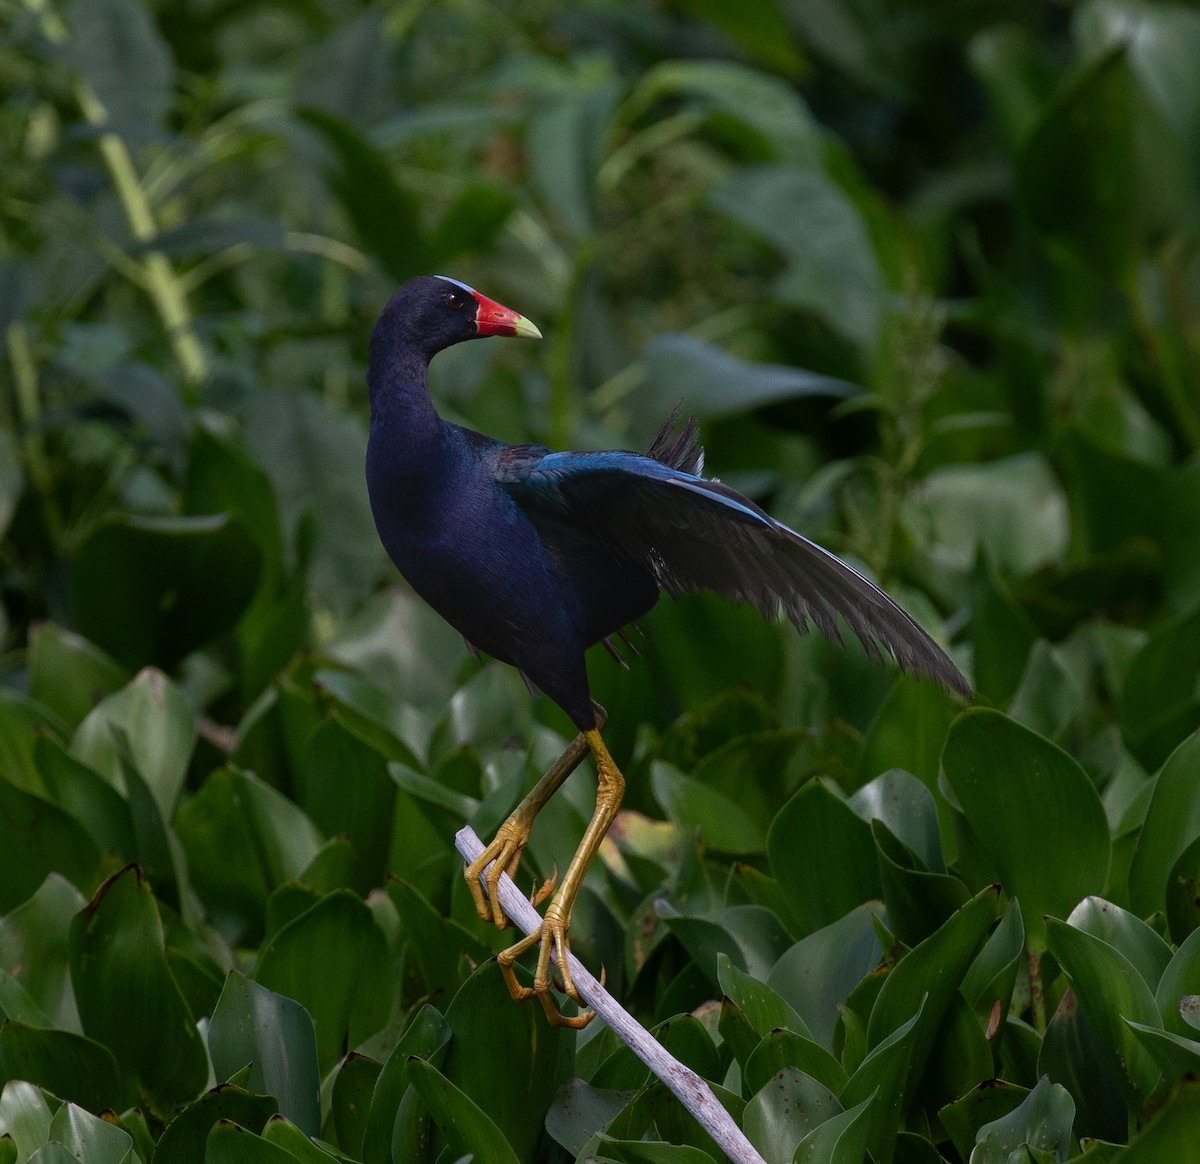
29, 410
1037, 992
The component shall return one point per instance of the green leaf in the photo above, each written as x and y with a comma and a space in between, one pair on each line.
68, 674
1179, 980
1126, 933
784, 1110
1043, 1122
253, 1026
1177, 1057
284, 1134
818, 973
765, 1011
1159, 708
780, 1049
35, 948
1172, 824
489, 1028
12, 478
230, 1143
88, 797
385, 216
835, 869
465, 1126
982, 1105
1112, 990
25, 1115
87, 1137
751, 936
350, 1104
341, 988
154, 589
126, 996
70, 1066
182, 1142
1183, 893
425, 1038
151, 721
1034, 812
1171, 1135
243, 839
907, 734
841, 1139
42, 839
723, 824
580, 1112
716, 383
917, 901
117, 48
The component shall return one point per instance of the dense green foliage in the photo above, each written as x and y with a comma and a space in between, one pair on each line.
928, 274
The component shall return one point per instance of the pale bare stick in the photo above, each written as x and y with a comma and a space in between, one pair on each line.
688, 1087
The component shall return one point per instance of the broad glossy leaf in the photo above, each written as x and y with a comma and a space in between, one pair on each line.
1172, 823
818, 973
284, 1134
253, 1026
505, 1058
41, 839
832, 267
243, 839
716, 383
1113, 991
426, 1038
1159, 709
907, 734
1180, 980
764, 1009
983, 1105
230, 1143
782, 1048
25, 1115
1126, 933
88, 797
332, 960
784, 1110
353, 1086
1183, 893
823, 856
906, 806
992, 975
152, 722
465, 1126
88, 1137
1003, 635
752, 937
1171, 1134
126, 996
439, 946
1043, 1121
1177, 1057
841, 1139
71, 1066
580, 1111
153, 589
35, 948
917, 901
1034, 812
182, 1142
68, 674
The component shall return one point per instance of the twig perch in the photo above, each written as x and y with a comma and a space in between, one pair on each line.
690, 1089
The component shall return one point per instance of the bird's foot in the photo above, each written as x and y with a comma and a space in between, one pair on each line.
553, 946
545, 889
503, 854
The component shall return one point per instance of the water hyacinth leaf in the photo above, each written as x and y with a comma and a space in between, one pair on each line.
723, 824
465, 1126
1171, 1133
982, 1105
425, 1038
764, 1009
1126, 933
992, 976
908, 734
537, 1058
835, 870
841, 1139
88, 1137
284, 1134
832, 266
818, 973
71, 1066
243, 839
782, 1048
353, 1087
752, 937
35, 948
1033, 810
1172, 823
153, 589
182, 1141
25, 1115
1183, 893
43, 839
581, 1111
1177, 1057
917, 901
230, 1143
1159, 708
88, 797
1180, 983
1113, 991
784, 1110
716, 383
340, 990
68, 674
126, 996
272, 1035
1042, 1121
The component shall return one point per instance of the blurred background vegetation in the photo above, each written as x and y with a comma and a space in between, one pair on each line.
928, 274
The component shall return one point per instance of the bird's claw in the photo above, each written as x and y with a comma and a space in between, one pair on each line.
504, 856
553, 946
545, 889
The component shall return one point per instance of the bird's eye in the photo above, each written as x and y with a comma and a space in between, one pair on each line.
455, 299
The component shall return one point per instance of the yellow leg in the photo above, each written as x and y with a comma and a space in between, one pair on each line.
551, 939
512, 836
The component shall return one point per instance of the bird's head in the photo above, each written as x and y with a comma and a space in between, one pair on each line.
432, 312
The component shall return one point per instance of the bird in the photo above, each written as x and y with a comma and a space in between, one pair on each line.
536, 555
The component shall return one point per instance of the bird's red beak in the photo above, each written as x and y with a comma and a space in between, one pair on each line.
492, 318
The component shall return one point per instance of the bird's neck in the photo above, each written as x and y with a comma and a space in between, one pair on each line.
403, 418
